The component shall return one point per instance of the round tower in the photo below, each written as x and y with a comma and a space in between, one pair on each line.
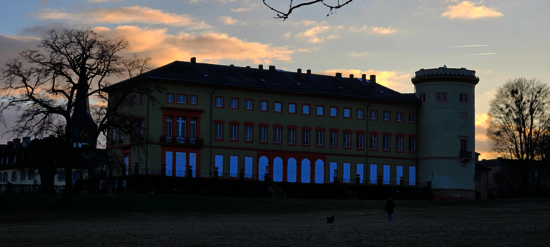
446, 131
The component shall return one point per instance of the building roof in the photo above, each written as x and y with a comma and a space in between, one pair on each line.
272, 79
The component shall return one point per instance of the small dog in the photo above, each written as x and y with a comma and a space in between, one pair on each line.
330, 219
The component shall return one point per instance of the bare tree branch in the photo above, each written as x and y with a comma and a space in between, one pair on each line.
285, 14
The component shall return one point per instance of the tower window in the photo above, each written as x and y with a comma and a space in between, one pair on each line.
441, 97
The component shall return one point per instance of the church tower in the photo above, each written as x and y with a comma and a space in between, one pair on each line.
84, 126
446, 131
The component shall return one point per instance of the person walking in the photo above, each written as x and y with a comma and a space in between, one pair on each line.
389, 208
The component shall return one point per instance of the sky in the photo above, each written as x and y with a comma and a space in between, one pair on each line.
500, 39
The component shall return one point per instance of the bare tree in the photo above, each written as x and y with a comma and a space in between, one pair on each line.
51, 85
520, 117
332, 6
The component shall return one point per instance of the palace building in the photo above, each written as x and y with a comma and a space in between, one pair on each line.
298, 127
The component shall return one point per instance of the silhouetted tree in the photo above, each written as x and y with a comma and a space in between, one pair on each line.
42, 86
331, 5
519, 123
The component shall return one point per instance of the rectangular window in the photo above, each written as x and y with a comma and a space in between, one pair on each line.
182, 99
399, 143
373, 173
412, 144
219, 131
277, 135
292, 108
347, 140
278, 107
234, 132
305, 137
193, 127
305, 109
441, 97
170, 98
398, 174
412, 118
399, 117
374, 115
387, 116
387, 174
169, 126
219, 102
142, 99
360, 141
346, 172
412, 175
234, 104
249, 104
463, 98
478, 176
422, 98
320, 110
180, 126
373, 142
194, 100
218, 162
360, 114
113, 135
263, 134
360, 172
233, 166
334, 111
134, 100
291, 136
386, 143
248, 133
263, 105
320, 138
333, 139
333, 166
463, 145
347, 112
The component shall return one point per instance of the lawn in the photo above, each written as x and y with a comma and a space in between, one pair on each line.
170, 220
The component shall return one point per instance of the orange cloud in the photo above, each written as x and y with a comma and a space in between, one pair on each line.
394, 80
209, 47
377, 30
467, 10
227, 20
135, 14
312, 35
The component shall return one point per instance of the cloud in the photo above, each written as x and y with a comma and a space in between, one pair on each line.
227, 20
394, 80
357, 54
313, 35
124, 15
10, 46
468, 11
248, 7
286, 35
208, 47
377, 30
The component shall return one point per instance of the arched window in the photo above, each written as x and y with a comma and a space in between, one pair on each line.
306, 171
278, 169
291, 171
262, 168
319, 172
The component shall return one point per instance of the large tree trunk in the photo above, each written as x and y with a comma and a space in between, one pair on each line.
67, 197
47, 179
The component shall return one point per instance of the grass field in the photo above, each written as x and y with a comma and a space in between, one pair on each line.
169, 220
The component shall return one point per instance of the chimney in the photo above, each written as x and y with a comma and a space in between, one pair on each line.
16, 142
193, 60
10, 144
26, 141
261, 67
351, 76
248, 67
372, 78
272, 68
338, 75
364, 79
299, 71
309, 72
